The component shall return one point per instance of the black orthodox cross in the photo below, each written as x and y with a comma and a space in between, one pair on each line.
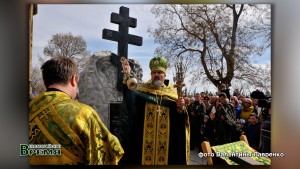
122, 37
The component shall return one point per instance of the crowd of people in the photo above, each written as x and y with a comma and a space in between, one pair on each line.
222, 119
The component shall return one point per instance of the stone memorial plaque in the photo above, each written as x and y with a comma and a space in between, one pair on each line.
114, 111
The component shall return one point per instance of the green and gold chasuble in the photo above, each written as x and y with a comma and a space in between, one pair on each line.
156, 135
55, 118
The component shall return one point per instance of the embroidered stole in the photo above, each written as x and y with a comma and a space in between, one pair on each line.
156, 135
157, 125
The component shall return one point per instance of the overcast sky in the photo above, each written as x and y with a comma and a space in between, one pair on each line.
88, 20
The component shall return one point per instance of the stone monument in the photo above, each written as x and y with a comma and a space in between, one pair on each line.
98, 84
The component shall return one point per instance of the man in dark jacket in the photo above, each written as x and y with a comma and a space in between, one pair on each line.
196, 112
253, 132
227, 129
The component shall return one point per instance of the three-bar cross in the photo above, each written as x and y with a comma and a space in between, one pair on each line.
122, 37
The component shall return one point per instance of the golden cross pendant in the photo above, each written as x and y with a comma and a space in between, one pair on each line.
159, 110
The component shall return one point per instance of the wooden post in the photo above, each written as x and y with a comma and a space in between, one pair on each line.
244, 138
30, 46
32, 12
207, 149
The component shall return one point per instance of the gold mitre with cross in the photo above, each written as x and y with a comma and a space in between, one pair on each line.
158, 63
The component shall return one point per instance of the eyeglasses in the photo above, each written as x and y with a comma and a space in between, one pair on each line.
247, 102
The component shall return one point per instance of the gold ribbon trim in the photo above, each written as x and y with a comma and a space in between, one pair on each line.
64, 151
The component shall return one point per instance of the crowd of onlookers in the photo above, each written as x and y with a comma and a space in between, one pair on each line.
222, 118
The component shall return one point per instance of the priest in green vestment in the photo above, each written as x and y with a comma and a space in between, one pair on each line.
55, 117
154, 127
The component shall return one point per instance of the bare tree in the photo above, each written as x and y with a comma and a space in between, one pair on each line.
37, 83
221, 38
240, 87
60, 44
68, 45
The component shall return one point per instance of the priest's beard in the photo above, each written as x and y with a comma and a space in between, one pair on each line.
157, 83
